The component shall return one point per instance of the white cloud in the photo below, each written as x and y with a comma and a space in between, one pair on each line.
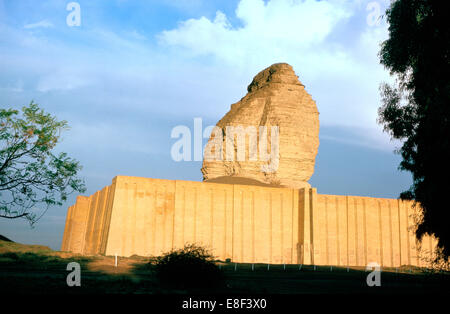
274, 30
329, 44
40, 24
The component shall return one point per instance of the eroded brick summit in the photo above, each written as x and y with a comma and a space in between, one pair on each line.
275, 98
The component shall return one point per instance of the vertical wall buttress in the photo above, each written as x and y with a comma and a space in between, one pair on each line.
245, 223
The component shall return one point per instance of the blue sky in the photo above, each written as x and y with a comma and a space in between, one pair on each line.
133, 70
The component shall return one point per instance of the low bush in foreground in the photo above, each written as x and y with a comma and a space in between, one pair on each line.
189, 267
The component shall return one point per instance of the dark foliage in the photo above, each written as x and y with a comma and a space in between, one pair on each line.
3, 238
190, 267
416, 109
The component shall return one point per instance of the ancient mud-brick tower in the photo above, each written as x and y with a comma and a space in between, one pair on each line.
251, 209
275, 98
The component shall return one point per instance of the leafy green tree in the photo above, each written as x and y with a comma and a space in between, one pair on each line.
31, 175
416, 109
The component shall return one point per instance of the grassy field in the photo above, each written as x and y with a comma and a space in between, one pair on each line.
39, 270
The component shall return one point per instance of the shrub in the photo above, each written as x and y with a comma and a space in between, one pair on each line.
189, 267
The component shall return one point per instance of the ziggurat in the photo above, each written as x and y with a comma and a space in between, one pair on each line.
272, 218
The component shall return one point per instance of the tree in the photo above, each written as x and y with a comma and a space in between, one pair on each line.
416, 109
31, 174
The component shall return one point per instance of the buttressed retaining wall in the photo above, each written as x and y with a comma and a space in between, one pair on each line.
245, 223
